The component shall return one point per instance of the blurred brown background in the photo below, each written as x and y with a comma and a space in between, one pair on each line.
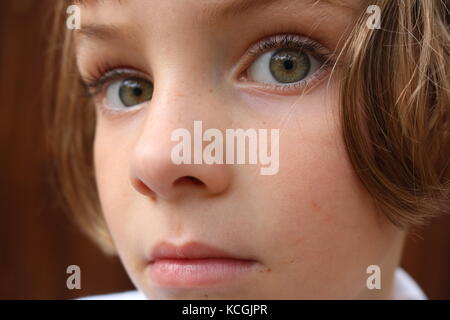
37, 242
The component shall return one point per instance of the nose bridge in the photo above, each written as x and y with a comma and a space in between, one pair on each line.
175, 105
185, 90
185, 68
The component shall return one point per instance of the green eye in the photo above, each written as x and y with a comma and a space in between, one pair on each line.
284, 67
289, 65
134, 91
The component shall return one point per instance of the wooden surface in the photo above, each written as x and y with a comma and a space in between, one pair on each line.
37, 243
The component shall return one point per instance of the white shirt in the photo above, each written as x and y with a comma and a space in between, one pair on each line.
405, 288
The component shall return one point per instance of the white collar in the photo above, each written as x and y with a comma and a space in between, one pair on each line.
406, 288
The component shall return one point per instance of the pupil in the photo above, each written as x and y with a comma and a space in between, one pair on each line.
137, 91
288, 64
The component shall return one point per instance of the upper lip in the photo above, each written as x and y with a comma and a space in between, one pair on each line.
189, 250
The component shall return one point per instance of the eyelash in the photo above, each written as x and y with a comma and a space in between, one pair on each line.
107, 73
103, 74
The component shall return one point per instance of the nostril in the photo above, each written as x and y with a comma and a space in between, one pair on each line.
188, 180
142, 187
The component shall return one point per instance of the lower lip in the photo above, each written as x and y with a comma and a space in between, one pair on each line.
197, 272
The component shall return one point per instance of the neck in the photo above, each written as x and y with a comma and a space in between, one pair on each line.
388, 267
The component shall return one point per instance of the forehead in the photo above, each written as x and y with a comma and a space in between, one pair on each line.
129, 19
232, 6
211, 12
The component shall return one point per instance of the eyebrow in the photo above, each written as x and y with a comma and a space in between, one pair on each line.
224, 9
211, 13
104, 32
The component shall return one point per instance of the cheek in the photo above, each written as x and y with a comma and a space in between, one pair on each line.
320, 221
111, 172
321, 199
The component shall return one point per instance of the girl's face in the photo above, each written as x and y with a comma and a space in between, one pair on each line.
308, 231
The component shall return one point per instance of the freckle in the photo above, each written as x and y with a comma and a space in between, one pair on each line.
211, 90
316, 206
290, 261
268, 270
206, 296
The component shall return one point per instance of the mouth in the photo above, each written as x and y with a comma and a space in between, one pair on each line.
195, 264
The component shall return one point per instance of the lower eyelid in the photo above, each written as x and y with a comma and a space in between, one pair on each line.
291, 88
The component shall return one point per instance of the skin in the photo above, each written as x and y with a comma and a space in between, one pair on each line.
312, 228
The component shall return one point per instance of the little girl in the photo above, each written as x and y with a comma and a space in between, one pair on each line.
351, 98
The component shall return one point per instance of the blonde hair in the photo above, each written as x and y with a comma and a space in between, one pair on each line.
395, 114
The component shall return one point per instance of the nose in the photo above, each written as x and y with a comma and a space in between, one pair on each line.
153, 172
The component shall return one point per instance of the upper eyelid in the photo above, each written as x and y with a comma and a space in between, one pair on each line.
121, 71
285, 40
96, 83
